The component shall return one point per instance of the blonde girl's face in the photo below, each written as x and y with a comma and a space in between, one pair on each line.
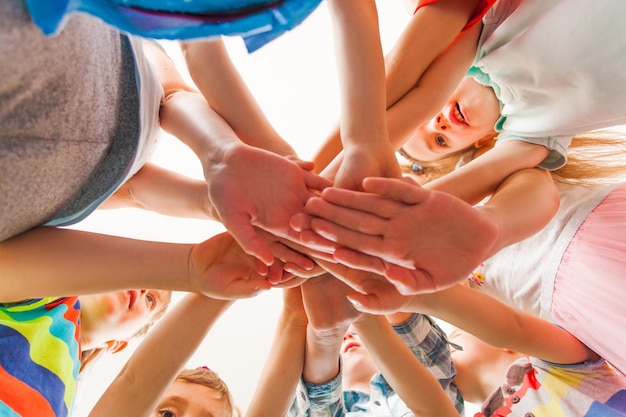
467, 117
185, 399
119, 315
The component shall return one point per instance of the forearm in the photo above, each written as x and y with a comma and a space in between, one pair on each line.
361, 72
219, 81
58, 262
402, 369
162, 191
158, 359
482, 176
321, 360
282, 371
409, 106
329, 150
522, 205
187, 116
500, 325
431, 29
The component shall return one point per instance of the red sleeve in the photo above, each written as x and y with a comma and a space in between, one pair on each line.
482, 8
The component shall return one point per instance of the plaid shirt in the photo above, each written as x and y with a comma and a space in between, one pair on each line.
429, 344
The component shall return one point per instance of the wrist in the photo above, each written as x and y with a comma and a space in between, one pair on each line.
496, 229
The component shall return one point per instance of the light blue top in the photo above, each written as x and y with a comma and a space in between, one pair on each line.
256, 21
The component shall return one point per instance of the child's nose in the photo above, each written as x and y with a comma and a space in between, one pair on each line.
441, 122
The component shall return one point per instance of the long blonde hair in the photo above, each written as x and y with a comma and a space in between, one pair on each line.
596, 157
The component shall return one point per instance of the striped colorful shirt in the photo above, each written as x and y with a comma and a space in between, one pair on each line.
39, 357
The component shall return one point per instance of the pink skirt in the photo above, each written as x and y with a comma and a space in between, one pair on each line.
590, 285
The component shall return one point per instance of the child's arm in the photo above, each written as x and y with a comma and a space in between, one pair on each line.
330, 315
265, 188
414, 384
473, 311
283, 367
367, 151
220, 83
418, 83
162, 191
482, 176
431, 32
76, 262
502, 326
158, 359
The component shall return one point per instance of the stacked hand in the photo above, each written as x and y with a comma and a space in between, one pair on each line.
397, 229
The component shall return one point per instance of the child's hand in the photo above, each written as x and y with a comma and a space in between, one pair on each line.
359, 163
253, 187
421, 240
326, 304
372, 293
219, 268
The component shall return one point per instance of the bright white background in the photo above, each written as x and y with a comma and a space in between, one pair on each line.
294, 79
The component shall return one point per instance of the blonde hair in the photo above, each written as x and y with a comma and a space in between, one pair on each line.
208, 378
90, 356
596, 157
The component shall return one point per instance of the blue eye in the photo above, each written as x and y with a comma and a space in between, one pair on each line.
440, 140
151, 301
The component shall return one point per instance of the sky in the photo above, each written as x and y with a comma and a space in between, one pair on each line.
295, 82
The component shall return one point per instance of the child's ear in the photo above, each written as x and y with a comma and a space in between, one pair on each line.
115, 346
488, 141
483, 145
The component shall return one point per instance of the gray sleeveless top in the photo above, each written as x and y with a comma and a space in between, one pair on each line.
69, 117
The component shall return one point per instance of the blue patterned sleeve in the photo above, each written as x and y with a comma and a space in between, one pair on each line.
430, 345
318, 400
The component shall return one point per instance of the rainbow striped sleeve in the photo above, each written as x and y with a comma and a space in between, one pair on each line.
39, 356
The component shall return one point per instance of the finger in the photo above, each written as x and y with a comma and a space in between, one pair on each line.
288, 255
360, 201
293, 282
294, 270
275, 273
398, 189
300, 222
410, 281
315, 242
358, 260
342, 236
243, 232
361, 221
316, 182
366, 303
261, 268
306, 165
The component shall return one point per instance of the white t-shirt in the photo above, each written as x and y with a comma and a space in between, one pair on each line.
522, 275
558, 68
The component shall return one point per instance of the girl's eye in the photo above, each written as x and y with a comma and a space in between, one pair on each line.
151, 303
440, 140
166, 413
